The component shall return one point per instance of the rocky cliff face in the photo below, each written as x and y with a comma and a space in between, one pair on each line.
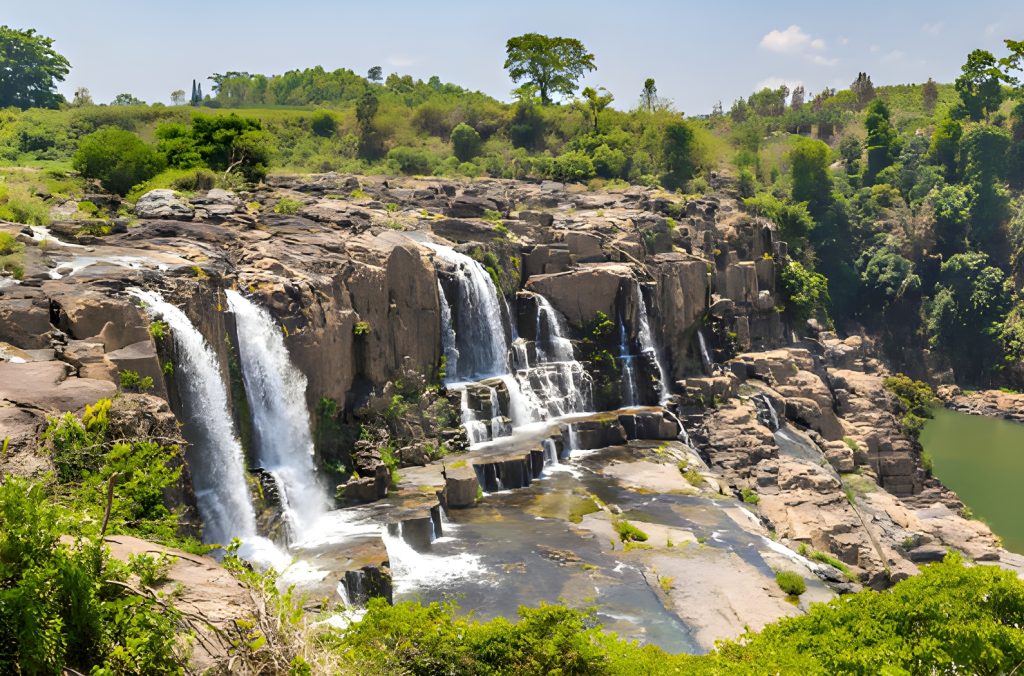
341, 265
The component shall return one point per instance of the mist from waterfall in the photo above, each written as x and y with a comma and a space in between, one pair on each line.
276, 392
215, 457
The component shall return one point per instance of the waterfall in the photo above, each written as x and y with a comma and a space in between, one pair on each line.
705, 354
478, 329
215, 458
649, 348
560, 383
550, 452
276, 391
628, 369
451, 350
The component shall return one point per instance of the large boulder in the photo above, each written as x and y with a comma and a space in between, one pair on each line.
580, 294
163, 203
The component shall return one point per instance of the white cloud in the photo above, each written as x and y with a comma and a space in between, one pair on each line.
774, 82
795, 41
789, 41
932, 28
400, 61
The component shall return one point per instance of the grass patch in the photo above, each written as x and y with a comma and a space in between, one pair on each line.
828, 559
790, 582
628, 532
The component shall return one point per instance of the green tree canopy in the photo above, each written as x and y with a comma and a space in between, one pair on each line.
117, 158
811, 180
980, 84
29, 69
882, 141
553, 65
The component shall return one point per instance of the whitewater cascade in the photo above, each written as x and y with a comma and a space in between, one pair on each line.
560, 383
705, 354
448, 342
648, 347
216, 460
479, 333
628, 369
276, 391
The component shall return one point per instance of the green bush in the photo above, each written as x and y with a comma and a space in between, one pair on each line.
323, 123
791, 583
131, 381
915, 400
628, 532
412, 161
805, 292
465, 142
287, 206
182, 180
62, 604
749, 496
609, 162
9, 245
118, 159
572, 166
18, 206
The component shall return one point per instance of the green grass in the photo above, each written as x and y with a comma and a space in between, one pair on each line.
628, 532
791, 583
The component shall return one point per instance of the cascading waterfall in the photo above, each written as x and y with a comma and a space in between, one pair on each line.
628, 368
216, 460
276, 391
448, 344
705, 354
560, 382
648, 347
478, 328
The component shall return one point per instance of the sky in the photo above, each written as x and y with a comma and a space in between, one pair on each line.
699, 53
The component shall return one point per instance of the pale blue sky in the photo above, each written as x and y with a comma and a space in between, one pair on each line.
698, 52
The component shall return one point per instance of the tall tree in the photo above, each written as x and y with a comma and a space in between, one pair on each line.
83, 97
882, 141
980, 85
649, 95
864, 89
29, 69
597, 100
811, 180
178, 97
796, 101
929, 95
375, 74
553, 64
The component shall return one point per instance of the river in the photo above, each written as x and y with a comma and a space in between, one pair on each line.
982, 459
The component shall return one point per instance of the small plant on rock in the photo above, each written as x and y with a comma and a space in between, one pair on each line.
628, 532
131, 381
790, 582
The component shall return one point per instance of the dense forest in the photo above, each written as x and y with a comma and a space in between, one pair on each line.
902, 210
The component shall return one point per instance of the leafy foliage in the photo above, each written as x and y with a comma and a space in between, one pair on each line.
553, 65
30, 69
915, 399
118, 158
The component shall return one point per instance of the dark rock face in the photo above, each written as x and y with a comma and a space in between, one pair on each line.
368, 582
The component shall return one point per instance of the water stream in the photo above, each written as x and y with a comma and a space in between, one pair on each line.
215, 456
648, 347
276, 391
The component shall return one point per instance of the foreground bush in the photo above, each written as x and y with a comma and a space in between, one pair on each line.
67, 605
117, 158
949, 619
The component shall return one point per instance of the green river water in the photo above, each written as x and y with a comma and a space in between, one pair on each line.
982, 459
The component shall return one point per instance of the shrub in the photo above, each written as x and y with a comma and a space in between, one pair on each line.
118, 159
412, 160
628, 532
18, 206
323, 123
608, 162
749, 496
915, 400
465, 142
806, 293
182, 180
791, 583
63, 603
132, 382
9, 245
572, 166
287, 206
158, 329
